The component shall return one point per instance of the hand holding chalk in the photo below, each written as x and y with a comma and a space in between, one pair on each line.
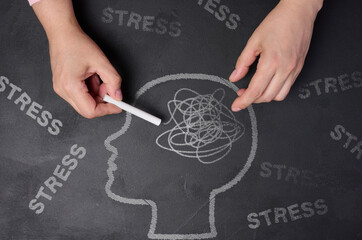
81, 71
135, 111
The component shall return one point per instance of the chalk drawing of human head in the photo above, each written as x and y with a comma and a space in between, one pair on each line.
177, 170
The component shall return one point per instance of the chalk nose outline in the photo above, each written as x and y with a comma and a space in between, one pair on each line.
112, 167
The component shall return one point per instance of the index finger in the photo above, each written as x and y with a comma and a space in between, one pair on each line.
263, 75
87, 105
245, 60
111, 79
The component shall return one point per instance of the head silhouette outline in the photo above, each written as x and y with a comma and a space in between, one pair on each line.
201, 150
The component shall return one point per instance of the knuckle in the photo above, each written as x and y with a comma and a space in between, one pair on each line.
241, 105
280, 98
103, 58
263, 65
277, 60
117, 78
255, 92
274, 64
250, 41
67, 86
253, 44
114, 111
56, 88
250, 44
88, 115
291, 65
274, 59
241, 59
268, 64
268, 98
106, 111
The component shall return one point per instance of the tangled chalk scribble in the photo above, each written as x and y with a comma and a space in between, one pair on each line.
205, 128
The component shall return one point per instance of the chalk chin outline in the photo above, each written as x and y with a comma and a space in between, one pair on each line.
112, 167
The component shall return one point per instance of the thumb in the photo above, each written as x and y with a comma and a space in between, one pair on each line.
111, 81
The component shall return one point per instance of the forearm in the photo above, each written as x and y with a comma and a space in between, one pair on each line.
56, 16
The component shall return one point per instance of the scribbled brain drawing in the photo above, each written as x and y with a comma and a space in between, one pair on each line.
205, 129
199, 127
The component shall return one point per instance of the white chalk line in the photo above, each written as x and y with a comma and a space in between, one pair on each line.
113, 167
205, 123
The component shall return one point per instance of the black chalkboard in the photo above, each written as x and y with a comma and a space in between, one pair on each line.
282, 170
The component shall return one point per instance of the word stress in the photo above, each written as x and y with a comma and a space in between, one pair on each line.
60, 175
287, 214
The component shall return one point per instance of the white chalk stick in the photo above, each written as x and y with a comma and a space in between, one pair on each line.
135, 111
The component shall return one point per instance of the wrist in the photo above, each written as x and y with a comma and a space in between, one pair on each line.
57, 17
310, 7
63, 31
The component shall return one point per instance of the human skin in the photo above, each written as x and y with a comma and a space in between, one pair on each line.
77, 62
282, 41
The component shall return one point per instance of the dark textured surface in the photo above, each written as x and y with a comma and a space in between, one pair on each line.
293, 135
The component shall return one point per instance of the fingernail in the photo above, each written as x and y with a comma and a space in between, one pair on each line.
119, 94
236, 109
233, 74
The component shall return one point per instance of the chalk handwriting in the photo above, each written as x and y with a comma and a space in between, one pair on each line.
112, 165
221, 12
352, 142
302, 177
330, 85
60, 175
287, 214
34, 110
205, 128
157, 24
